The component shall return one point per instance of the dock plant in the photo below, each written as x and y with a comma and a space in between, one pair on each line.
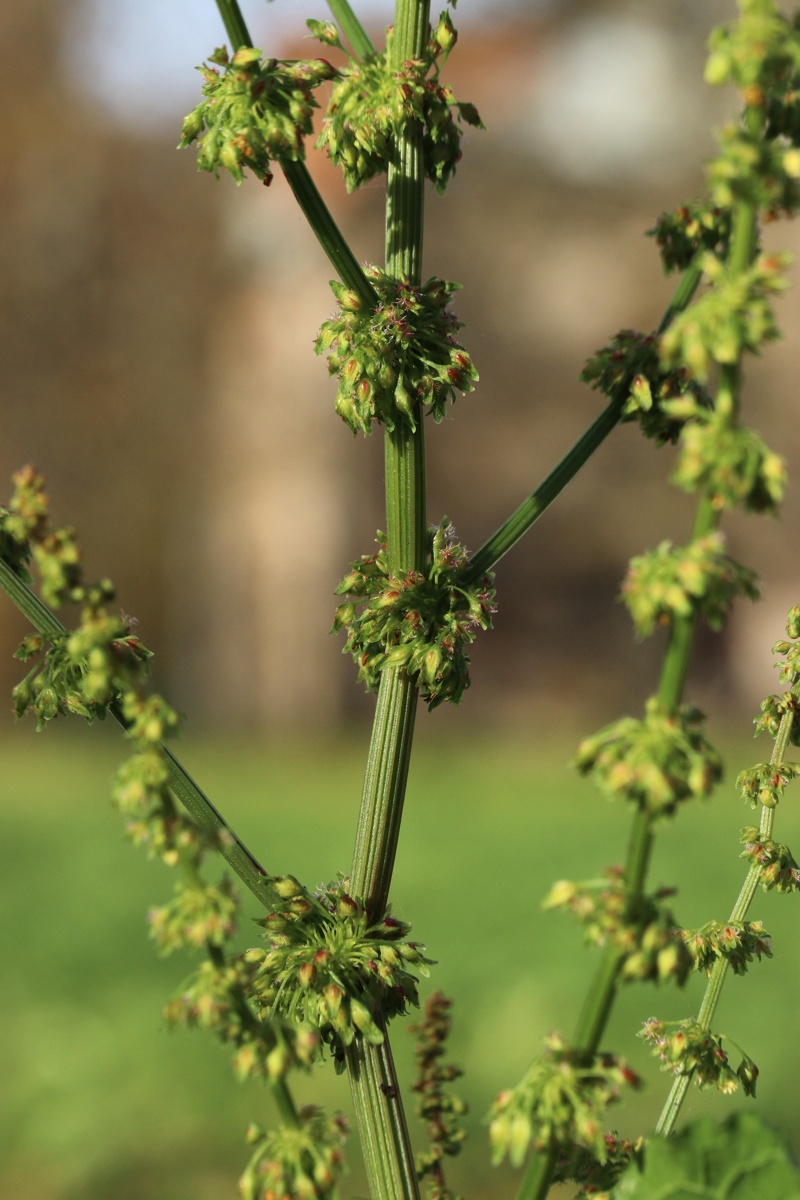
333, 970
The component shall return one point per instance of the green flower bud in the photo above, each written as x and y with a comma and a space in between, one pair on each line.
286, 886
193, 126
256, 955
246, 57
307, 976
278, 1061
362, 1019
22, 697
717, 70
46, 704
445, 34
748, 1075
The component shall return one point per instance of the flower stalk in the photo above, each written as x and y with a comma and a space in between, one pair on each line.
602, 993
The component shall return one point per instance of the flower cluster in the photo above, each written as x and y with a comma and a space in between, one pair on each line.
304, 1161
729, 463
789, 651
690, 228
651, 943
561, 1100
196, 917
26, 536
436, 1106
102, 665
657, 762
596, 1178
214, 998
372, 104
773, 710
669, 583
738, 942
329, 966
253, 112
759, 171
690, 1049
732, 316
629, 371
779, 869
419, 622
758, 53
764, 783
398, 356
81, 671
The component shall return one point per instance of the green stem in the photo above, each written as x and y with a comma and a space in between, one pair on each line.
352, 28
234, 23
711, 996
376, 1096
681, 634
305, 190
602, 993
183, 787
278, 1085
381, 1122
327, 232
284, 1100
384, 790
531, 509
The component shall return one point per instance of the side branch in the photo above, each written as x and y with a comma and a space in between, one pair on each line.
304, 189
183, 787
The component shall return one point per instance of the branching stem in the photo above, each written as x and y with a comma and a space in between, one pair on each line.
183, 787
352, 28
305, 190
602, 992
540, 500
719, 971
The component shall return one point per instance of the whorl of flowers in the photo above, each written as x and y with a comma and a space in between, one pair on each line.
329, 966
420, 622
686, 1048
629, 371
671, 583
373, 103
681, 233
764, 783
398, 356
650, 942
779, 868
738, 942
304, 1161
657, 762
561, 1101
254, 112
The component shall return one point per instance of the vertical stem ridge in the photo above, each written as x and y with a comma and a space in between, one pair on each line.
384, 790
376, 1097
381, 1121
406, 501
405, 206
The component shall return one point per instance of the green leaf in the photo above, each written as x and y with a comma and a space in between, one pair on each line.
738, 1159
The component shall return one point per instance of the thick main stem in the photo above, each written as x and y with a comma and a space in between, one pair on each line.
376, 1095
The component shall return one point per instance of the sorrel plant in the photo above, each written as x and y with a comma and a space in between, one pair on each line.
336, 966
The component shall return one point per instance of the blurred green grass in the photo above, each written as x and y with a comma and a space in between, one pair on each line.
98, 1101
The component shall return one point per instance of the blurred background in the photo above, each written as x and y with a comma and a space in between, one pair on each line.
156, 348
